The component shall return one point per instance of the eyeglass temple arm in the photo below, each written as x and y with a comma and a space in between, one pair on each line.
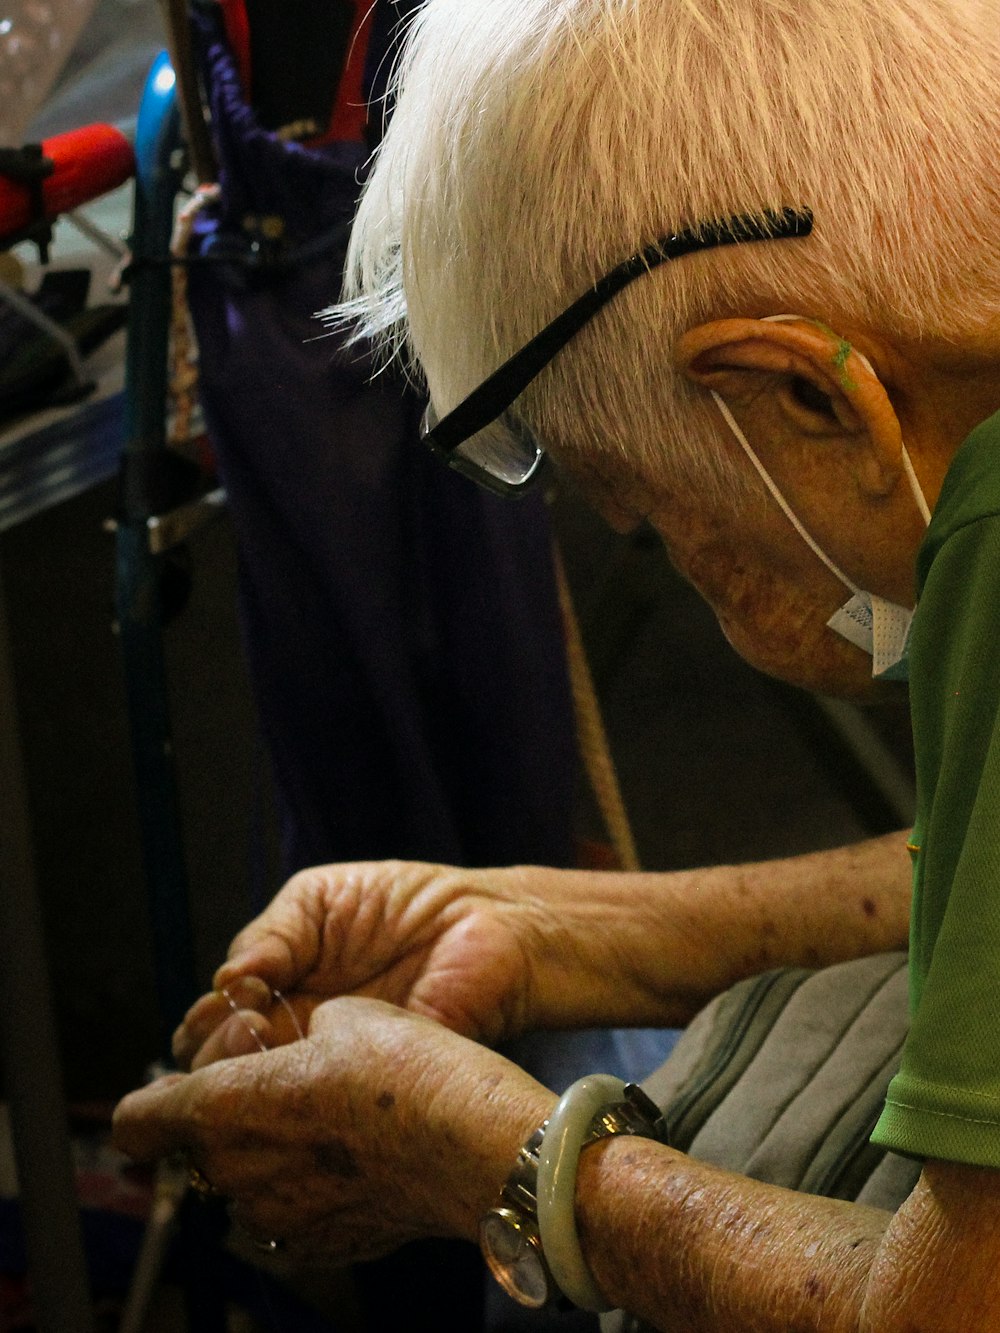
508, 381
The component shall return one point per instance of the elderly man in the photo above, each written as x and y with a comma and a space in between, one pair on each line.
786, 356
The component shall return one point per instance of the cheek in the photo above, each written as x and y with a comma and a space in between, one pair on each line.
772, 644
775, 618
616, 491
803, 652
772, 629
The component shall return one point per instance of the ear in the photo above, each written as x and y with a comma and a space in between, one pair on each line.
811, 378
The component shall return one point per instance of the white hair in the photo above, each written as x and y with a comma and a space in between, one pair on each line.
536, 143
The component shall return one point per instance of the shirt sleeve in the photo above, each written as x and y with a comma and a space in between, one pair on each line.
945, 1101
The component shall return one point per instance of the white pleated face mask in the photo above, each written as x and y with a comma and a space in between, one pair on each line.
878, 627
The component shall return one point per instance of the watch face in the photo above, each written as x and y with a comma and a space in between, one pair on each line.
513, 1252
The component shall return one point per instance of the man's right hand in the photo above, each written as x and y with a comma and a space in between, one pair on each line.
474, 950
494, 953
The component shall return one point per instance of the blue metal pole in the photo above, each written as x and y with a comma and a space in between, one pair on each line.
138, 590
140, 619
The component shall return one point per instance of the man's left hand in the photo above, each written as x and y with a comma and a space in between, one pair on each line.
379, 1127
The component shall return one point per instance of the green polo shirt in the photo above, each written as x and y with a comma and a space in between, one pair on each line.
945, 1101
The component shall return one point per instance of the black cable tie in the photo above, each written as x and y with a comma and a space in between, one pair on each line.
28, 166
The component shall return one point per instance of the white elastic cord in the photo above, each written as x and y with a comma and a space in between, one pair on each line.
915, 487
780, 500
911, 476
558, 1158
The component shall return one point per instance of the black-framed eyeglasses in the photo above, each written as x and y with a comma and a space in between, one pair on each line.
483, 438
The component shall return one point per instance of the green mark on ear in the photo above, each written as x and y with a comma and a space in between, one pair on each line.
840, 357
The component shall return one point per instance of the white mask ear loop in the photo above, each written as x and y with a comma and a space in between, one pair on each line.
918, 494
779, 499
911, 476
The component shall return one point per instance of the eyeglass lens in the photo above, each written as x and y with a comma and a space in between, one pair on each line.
504, 449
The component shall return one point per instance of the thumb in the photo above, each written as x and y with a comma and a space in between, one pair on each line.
152, 1121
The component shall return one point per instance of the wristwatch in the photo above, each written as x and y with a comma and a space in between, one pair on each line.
509, 1236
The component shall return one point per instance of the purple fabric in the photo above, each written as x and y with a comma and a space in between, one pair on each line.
401, 625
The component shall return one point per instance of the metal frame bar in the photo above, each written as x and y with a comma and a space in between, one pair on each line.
137, 568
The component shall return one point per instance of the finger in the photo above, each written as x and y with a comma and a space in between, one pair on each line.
211, 1011
245, 1032
284, 943
268, 955
248, 992
154, 1122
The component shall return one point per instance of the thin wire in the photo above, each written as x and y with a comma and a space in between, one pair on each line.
267, 1303
290, 1011
243, 1019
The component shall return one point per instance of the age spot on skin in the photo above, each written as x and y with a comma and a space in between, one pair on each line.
385, 1101
336, 1159
869, 908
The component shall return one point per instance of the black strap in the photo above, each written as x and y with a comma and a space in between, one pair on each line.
28, 166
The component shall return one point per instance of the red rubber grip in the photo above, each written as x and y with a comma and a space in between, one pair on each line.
87, 163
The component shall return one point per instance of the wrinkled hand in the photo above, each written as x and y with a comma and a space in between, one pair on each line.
379, 1127
461, 947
